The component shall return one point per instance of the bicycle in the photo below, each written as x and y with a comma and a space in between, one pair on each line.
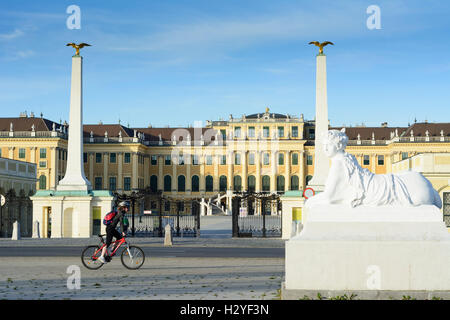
132, 257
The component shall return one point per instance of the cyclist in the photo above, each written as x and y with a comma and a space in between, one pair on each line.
111, 230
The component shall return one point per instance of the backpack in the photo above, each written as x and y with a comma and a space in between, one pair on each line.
109, 218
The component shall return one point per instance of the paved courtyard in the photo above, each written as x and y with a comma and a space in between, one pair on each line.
159, 278
163, 276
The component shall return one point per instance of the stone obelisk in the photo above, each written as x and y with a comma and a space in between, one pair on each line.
73, 210
75, 179
321, 161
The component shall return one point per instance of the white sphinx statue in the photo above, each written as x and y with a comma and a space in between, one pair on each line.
349, 184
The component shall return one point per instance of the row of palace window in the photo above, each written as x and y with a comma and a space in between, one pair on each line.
223, 183
222, 159
98, 183
22, 153
195, 159
195, 183
251, 132
380, 159
112, 157
62, 155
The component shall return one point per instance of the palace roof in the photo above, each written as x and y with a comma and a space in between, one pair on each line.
98, 130
434, 129
379, 133
152, 134
26, 124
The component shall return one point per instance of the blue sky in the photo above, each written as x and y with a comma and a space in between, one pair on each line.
176, 62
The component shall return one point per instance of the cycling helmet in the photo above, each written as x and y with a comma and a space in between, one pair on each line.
123, 204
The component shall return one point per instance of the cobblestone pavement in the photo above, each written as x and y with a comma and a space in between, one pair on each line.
159, 278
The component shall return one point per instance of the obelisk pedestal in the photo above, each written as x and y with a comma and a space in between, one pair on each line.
321, 161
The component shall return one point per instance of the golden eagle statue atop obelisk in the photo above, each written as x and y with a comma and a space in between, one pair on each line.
78, 46
321, 45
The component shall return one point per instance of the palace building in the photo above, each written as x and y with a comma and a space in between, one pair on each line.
17, 184
263, 153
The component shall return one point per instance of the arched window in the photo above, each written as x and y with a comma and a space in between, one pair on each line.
195, 182
223, 183
237, 183
154, 183
167, 183
209, 183
280, 183
251, 183
307, 179
181, 184
294, 183
42, 182
265, 183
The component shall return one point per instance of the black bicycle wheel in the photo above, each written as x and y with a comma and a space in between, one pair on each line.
89, 260
132, 257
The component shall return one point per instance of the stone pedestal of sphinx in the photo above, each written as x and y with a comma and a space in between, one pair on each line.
373, 236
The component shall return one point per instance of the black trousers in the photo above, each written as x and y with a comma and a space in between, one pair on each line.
111, 232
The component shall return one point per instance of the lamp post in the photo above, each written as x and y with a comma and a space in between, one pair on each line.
135, 194
132, 214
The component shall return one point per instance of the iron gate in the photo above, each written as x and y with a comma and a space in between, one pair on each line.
256, 215
154, 225
183, 215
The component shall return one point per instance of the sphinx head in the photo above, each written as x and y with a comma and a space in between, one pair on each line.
334, 141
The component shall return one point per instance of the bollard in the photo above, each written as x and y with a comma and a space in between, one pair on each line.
36, 230
168, 235
16, 231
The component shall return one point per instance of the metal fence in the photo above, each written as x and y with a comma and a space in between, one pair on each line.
154, 225
446, 208
260, 226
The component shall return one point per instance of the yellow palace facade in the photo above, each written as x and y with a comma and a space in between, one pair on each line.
263, 152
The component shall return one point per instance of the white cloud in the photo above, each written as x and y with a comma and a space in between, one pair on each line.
18, 55
11, 35
232, 33
24, 54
